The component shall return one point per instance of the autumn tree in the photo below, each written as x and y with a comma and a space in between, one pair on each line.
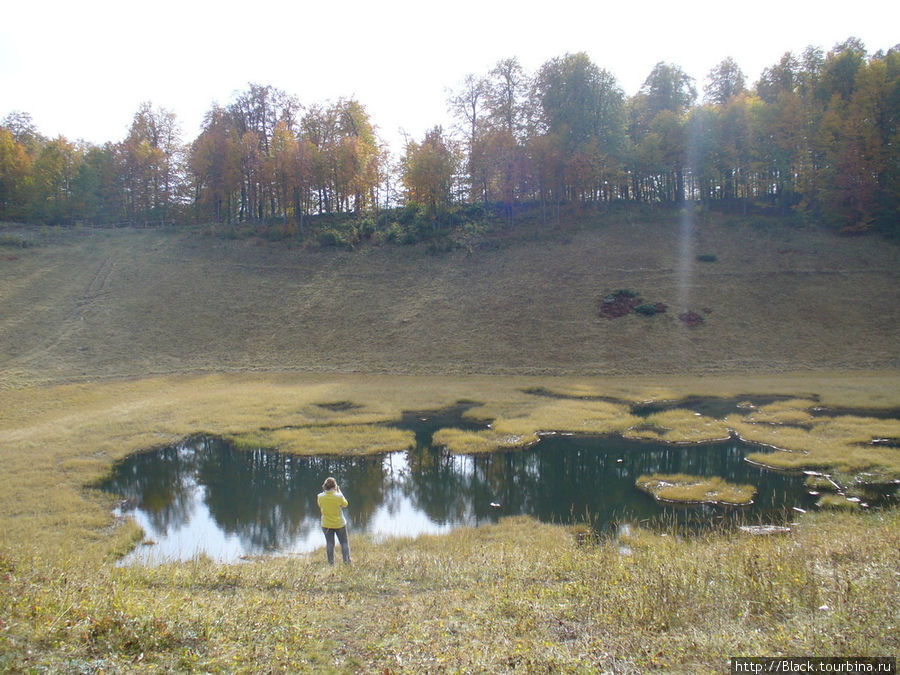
428, 171
667, 88
658, 118
468, 106
215, 167
506, 92
778, 79
816, 136
15, 176
97, 187
858, 139
152, 164
547, 171
582, 108
724, 82
344, 154
255, 114
580, 102
53, 174
839, 70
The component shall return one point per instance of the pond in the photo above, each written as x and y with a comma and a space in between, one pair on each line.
204, 497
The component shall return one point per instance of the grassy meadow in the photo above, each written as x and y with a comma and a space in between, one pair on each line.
112, 342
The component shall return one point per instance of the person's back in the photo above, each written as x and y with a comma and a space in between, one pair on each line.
330, 503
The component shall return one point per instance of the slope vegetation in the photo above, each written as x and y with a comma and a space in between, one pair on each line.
82, 304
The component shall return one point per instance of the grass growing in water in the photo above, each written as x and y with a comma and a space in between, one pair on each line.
803, 441
356, 439
678, 426
683, 488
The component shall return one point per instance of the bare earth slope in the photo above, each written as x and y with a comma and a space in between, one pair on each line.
87, 304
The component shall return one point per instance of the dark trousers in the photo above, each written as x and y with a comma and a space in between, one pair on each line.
329, 543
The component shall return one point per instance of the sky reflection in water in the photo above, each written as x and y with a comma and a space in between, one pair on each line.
205, 497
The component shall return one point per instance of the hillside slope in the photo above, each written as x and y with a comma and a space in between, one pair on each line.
86, 304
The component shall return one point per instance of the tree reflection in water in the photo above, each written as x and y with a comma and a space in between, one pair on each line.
204, 496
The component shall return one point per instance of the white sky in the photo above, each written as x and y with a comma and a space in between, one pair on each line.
81, 69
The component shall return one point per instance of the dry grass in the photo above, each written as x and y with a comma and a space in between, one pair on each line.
335, 439
842, 444
462, 442
683, 488
515, 597
837, 502
678, 426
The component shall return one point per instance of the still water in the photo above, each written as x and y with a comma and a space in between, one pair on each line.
202, 496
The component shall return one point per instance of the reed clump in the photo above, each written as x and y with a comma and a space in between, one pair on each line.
802, 441
330, 439
516, 424
678, 426
837, 501
683, 488
464, 442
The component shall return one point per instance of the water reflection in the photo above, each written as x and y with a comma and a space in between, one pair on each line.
204, 496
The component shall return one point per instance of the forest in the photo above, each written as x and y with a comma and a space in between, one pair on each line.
814, 138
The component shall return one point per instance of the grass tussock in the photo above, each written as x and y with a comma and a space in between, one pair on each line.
683, 488
356, 439
806, 442
518, 596
518, 423
678, 426
574, 416
793, 412
821, 483
837, 501
463, 442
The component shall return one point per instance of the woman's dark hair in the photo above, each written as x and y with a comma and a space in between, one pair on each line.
329, 484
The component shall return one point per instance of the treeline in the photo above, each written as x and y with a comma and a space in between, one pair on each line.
815, 136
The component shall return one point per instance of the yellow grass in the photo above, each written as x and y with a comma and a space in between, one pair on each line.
833, 443
462, 442
837, 502
678, 426
683, 488
356, 439
519, 596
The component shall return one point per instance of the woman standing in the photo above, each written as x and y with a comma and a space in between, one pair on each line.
331, 501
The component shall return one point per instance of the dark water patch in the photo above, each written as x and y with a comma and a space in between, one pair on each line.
709, 406
339, 406
784, 425
205, 496
839, 411
549, 393
424, 423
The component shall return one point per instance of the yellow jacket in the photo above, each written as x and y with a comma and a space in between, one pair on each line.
330, 503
